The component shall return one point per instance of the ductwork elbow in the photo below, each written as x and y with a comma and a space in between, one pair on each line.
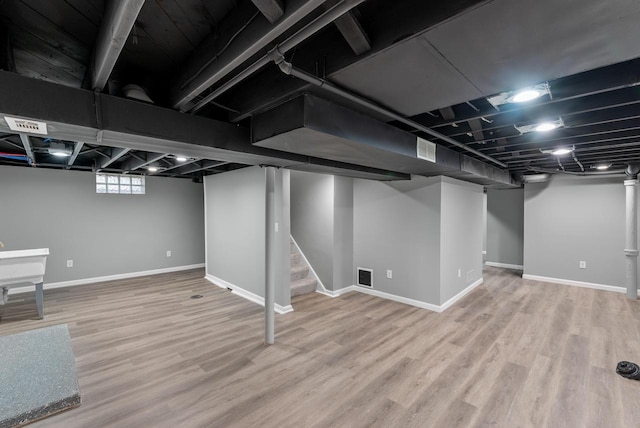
632, 171
278, 59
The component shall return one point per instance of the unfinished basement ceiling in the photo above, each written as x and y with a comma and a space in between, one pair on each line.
436, 64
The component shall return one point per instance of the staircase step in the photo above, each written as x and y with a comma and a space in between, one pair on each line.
296, 258
299, 272
303, 286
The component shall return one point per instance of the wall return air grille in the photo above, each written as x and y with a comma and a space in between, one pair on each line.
426, 150
365, 277
25, 125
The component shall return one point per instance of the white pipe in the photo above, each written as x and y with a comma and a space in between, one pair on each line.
631, 241
308, 30
219, 70
270, 257
288, 69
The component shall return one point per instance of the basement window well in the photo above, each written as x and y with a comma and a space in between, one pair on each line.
120, 184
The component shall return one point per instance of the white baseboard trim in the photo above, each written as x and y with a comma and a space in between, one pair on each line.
571, 282
241, 292
504, 265
337, 293
85, 281
460, 295
400, 299
405, 300
323, 289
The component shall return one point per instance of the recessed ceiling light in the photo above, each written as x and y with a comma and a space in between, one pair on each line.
526, 95
521, 95
547, 126
561, 151
152, 169
181, 158
541, 127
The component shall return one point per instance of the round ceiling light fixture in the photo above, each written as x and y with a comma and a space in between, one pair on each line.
526, 95
561, 151
545, 127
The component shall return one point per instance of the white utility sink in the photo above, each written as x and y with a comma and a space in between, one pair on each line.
20, 266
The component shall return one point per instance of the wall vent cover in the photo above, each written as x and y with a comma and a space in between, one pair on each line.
365, 277
426, 150
25, 125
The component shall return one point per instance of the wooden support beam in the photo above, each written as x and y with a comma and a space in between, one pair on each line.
119, 18
115, 155
147, 160
204, 165
350, 28
7, 62
26, 144
74, 155
273, 10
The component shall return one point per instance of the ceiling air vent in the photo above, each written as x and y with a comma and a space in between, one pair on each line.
426, 149
25, 125
365, 277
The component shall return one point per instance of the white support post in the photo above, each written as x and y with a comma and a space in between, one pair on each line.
270, 257
631, 241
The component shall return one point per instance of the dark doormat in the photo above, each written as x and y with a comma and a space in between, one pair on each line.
37, 375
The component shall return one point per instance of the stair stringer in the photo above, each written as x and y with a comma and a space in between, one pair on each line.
320, 288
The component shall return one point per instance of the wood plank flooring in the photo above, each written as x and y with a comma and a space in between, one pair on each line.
513, 353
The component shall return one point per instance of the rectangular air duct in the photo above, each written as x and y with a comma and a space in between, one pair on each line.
312, 126
425, 149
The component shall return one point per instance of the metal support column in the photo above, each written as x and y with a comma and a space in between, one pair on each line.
631, 240
270, 257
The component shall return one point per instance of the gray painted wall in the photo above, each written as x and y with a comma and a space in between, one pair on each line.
312, 221
343, 270
484, 223
235, 230
103, 234
396, 226
505, 226
283, 242
461, 236
575, 218
235, 218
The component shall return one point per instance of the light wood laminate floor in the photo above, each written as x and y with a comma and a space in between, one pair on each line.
513, 353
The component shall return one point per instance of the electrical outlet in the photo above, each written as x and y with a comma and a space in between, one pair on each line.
389, 274
168, 253
583, 264
69, 263
459, 273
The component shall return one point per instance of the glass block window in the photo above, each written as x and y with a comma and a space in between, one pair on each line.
119, 184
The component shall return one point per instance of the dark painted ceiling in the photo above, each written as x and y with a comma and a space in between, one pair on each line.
435, 63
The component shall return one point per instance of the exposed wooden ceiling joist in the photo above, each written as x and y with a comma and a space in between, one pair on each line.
116, 154
119, 18
26, 144
201, 73
76, 151
273, 10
